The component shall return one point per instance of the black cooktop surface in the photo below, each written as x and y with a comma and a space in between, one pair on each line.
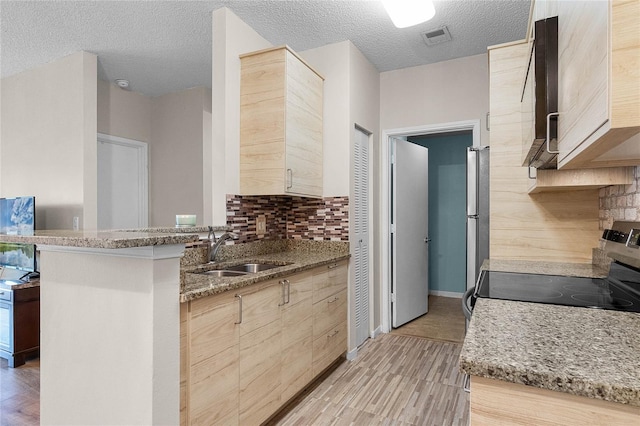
620, 291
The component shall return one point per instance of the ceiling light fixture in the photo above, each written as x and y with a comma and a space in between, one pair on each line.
124, 84
406, 13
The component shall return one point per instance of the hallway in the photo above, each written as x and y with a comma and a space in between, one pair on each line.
394, 380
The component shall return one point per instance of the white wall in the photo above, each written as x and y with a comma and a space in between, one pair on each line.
123, 113
444, 92
207, 171
175, 152
333, 63
175, 127
231, 37
365, 92
110, 336
48, 140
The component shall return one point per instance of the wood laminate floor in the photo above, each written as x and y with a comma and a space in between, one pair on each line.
20, 394
444, 321
397, 379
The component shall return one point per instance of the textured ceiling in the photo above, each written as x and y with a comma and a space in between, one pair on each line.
164, 46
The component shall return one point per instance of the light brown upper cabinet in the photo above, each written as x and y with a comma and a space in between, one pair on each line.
599, 83
280, 125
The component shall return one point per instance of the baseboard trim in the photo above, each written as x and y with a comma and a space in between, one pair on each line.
352, 354
446, 293
376, 332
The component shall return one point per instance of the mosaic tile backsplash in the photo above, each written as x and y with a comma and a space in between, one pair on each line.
287, 217
620, 202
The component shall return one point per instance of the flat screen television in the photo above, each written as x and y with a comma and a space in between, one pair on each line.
17, 217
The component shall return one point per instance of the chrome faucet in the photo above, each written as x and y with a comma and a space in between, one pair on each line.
215, 243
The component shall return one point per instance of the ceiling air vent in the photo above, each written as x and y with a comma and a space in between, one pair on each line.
437, 36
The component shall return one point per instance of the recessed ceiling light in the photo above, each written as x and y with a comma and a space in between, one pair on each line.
123, 84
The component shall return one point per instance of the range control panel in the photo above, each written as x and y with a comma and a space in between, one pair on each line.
631, 238
622, 243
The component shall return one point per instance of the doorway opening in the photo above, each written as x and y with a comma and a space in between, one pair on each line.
447, 210
471, 128
122, 183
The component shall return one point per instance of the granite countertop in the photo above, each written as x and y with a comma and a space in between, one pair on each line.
99, 239
178, 229
584, 352
196, 285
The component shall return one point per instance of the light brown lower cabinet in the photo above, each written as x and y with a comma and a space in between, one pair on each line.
494, 402
210, 353
245, 354
329, 314
260, 348
297, 338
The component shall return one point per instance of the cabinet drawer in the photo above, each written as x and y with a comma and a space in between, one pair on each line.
328, 347
6, 295
328, 280
329, 313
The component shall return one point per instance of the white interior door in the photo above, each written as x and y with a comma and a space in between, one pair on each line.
360, 257
409, 225
122, 183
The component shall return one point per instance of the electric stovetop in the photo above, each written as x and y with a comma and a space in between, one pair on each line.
619, 291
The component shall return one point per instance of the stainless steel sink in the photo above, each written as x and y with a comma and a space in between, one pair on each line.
253, 267
223, 273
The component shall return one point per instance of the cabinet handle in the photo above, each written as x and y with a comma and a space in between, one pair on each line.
466, 384
289, 178
239, 308
333, 334
333, 300
333, 266
288, 290
283, 289
553, 114
529, 167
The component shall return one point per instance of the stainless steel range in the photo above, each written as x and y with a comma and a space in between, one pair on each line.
619, 291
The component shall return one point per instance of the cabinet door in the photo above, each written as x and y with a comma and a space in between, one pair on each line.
297, 335
327, 347
184, 362
280, 125
329, 314
262, 124
583, 72
6, 327
214, 356
260, 352
303, 129
328, 280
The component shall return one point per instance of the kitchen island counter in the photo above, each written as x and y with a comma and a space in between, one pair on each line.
106, 297
94, 239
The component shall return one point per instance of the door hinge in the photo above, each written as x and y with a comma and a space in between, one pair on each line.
393, 298
393, 159
393, 228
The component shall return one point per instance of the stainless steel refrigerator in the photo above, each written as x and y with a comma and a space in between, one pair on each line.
477, 211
